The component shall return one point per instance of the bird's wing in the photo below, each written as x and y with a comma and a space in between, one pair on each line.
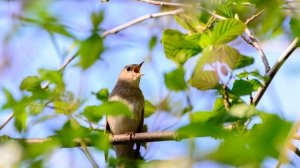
106, 131
140, 129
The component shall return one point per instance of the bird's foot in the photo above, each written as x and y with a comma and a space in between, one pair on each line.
131, 134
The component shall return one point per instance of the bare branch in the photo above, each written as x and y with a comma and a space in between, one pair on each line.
259, 49
271, 74
161, 3
88, 154
140, 19
254, 17
114, 139
7, 121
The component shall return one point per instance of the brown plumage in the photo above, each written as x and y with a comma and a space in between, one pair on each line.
127, 90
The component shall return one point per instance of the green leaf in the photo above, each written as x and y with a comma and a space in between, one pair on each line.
174, 80
99, 140
263, 141
95, 113
180, 47
35, 108
102, 94
225, 11
201, 129
244, 61
31, 83
10, 100
256, 84
90, 50
189, 20
242, 110
152, 42
202, 116
242, 87
204, 80
226, 31
20, 117
65, 107
97, 18
149, 108
72, 133
52, 76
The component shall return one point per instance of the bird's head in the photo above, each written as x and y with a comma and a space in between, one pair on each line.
131, 74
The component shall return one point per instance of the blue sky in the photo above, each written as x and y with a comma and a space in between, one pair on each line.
31, 48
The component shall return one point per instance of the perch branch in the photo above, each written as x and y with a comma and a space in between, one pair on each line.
114, 139
140, 19
271, 74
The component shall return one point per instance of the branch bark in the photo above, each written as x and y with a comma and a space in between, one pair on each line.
271, 74
140, 19
114, 139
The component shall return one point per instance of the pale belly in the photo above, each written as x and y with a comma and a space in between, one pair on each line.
122, 124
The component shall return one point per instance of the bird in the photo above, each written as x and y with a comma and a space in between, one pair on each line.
127, 91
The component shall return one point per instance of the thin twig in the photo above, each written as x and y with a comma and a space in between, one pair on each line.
140, 19
258, 47
7, 121
161, 3
271, 74
88, 154
254, 17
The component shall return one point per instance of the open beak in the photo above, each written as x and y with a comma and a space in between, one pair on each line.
138, 68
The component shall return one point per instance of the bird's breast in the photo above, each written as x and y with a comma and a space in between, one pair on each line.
122, 124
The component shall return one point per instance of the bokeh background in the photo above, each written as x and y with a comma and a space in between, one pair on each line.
26, 47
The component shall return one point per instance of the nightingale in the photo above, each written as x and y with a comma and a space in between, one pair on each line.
127, 91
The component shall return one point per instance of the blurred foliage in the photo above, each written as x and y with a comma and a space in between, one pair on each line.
208, 33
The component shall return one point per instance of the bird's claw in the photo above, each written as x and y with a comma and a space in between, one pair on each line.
131, 134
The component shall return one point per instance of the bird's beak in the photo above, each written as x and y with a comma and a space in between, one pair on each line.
138, 68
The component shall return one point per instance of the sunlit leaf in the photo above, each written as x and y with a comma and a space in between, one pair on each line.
174, 80
225, 11
242, 110
179, 47
99, 139
102, 94
35, 108
31, 83
244, 61
149, 108
52, 75
226, 31
204, 80
90, 50
97, 18
95, 113
252, 147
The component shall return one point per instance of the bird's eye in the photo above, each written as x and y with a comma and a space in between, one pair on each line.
128, 69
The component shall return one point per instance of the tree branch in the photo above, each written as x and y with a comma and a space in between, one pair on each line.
257, 46
161, 3
7, 121
271, 74
114, 139
140, 19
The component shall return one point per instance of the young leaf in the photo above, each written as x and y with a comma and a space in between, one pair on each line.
174, 80
52, 75
149, 108
90, 50
95, 113
102, 94
204, 80
242, 87
31, 83
244, 61
97, 18
152, 43
226, 31
179, 47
